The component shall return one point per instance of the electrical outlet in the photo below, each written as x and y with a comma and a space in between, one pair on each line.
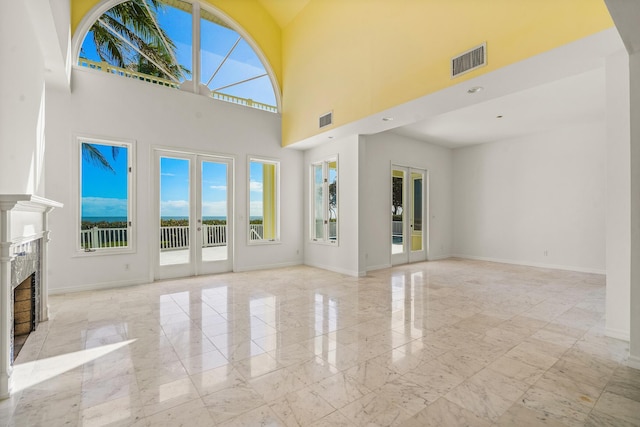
126, 266
546, 252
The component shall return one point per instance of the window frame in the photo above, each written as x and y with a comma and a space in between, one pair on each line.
131, 196
276, 164
326, 239
197, 6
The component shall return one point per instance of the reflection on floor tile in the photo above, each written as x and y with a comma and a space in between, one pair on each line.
449, 342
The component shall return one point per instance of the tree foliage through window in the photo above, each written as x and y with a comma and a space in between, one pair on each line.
128, 36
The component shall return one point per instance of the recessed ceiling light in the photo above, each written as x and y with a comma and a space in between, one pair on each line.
475, 89
387, 119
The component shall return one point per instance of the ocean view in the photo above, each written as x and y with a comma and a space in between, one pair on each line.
98, 219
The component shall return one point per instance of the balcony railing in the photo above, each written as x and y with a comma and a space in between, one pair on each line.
256, 232
171, 238
124, 72
103, 238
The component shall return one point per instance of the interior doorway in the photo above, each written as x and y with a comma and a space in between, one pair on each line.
408, 207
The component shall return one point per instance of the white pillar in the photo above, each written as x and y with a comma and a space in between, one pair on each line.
5, 301
618, 222
634, 92
626, 15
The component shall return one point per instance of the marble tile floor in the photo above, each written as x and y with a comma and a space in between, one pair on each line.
443, 343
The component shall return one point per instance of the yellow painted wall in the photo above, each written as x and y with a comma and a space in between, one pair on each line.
249, 14
359, 57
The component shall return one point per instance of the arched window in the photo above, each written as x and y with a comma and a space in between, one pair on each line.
178, 44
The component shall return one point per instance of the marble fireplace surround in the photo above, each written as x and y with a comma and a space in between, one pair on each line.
23, 222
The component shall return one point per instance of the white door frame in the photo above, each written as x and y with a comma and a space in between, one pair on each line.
195, 265
408, 255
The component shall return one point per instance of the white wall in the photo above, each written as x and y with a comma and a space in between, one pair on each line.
514, 200
343, 257
383, 150
107, 106
21, 103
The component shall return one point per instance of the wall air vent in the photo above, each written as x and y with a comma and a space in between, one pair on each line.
469, 60
326, 119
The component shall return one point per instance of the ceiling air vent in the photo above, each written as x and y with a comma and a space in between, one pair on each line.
326, 119
469, 60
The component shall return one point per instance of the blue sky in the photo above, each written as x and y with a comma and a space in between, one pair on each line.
216, 41
175, 184
104, 193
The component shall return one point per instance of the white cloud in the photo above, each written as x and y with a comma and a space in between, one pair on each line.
102, 206
255, 208
168, 174
255, 186
218, 187
214, 208
174, 208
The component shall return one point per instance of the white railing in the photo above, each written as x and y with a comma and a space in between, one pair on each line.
214, 235
103, 238
256, 232
124, 72
174, 237
396, 228
177, 237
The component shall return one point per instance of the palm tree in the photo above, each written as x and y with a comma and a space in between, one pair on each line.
91, 153
133, 23
127, 36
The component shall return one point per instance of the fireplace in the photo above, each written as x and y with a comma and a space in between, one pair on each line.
24, 312
24, 237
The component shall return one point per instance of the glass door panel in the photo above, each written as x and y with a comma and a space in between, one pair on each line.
212, 223
175, 191
408, 195
333, 200
318, 216
416, 211
397, 211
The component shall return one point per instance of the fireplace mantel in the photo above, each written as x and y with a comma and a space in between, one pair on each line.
23, 218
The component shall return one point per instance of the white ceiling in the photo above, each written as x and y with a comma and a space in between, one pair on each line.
570, 100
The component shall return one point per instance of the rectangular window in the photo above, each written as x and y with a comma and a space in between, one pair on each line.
105, 195
264, 220
324, 201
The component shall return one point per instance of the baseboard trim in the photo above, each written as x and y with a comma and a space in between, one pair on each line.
533, 264
98, 286
267, 266
633, 362
439, 257
378, 267
618, 334
337, 270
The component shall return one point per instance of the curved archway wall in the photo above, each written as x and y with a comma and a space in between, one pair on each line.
249, 14
358, 58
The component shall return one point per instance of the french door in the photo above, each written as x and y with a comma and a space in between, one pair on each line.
408, 206
195, 218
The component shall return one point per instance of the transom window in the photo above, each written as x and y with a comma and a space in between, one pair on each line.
181, 45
